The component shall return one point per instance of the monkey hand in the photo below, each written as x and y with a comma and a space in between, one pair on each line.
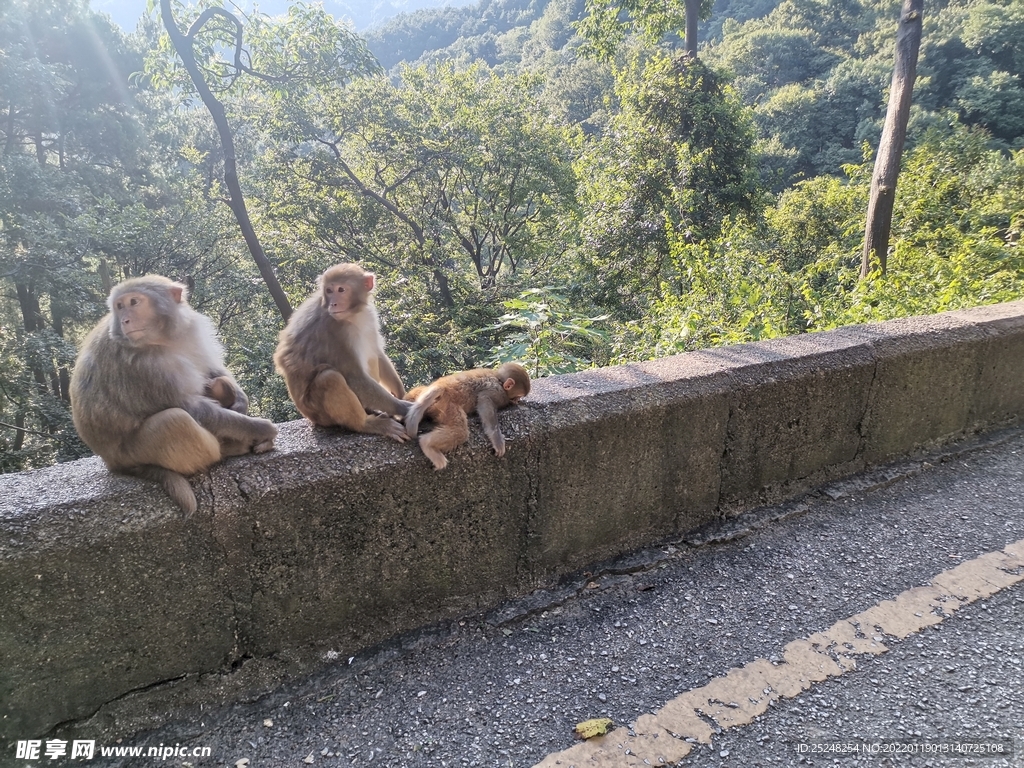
387, 426
265, 442
498, 443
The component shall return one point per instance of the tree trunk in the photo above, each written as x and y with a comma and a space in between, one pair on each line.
19, 432
692, 19
62, 383
183, 45
10, 144
890, 148
40, 147
444, 288
32, 319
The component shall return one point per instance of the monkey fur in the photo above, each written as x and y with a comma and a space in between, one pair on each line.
449, 400
151, 396
331, 355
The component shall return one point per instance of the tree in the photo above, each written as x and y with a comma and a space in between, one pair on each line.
69, 141
454, 185
609, 21
956, 245
766, 55
457, 166
676, 159
307, 50
890, 149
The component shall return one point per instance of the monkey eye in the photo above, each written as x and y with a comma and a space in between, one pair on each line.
133, 301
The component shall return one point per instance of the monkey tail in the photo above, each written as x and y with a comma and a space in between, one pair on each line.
175, 485
423, 402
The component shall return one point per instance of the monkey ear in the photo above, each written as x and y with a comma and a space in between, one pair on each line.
508, 384
368, 280
175, 291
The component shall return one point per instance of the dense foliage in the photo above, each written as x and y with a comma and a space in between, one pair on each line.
795, 268
518, 198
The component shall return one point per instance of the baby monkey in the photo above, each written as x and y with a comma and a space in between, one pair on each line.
449, 400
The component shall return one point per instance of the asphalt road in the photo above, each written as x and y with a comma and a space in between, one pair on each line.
506, 689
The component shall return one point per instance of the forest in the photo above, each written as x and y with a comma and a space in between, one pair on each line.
548, 181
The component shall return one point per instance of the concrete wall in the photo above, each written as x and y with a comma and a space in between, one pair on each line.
337, 540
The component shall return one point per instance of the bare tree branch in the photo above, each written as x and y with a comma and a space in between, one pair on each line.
183, 44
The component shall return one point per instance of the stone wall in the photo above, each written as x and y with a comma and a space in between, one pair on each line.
340, 541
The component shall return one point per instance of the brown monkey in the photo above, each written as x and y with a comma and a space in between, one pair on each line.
151, 396
331, 355
450, 399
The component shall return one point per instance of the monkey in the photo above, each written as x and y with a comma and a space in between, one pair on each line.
450, 399
331, 354
150, 394
225, 390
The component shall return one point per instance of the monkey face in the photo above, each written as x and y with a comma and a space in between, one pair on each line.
145, 310
343, 297
516, 394
515, 390
136, 317
339, 298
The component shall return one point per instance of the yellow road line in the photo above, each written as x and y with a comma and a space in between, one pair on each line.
742, 694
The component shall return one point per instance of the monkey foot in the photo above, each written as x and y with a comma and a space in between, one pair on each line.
438, 459
266, 445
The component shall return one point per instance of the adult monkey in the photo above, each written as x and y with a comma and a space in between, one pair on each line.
331, 355
151, 396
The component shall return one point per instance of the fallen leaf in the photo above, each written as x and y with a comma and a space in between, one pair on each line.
308, 759
588, 729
